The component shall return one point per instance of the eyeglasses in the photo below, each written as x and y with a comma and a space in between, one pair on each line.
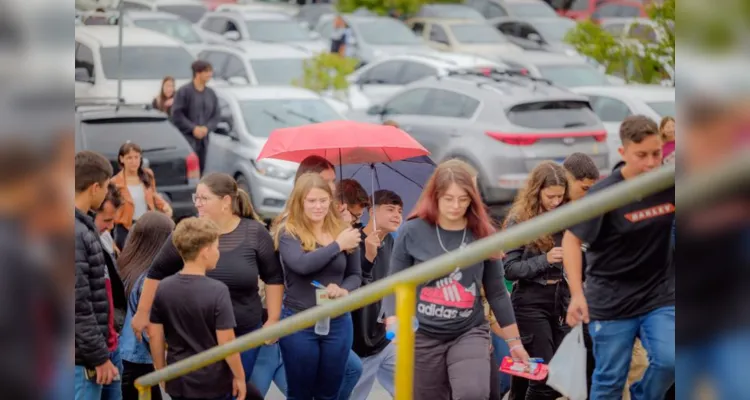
200, 199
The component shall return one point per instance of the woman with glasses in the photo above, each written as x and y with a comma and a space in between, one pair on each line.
247, 253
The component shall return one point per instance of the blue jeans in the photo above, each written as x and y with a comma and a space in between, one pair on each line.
501, 351
315, 364
613, 346
88, 390
269, 368
352, 373
248, 357
721, 359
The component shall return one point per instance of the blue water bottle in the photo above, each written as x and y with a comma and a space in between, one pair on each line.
390, 334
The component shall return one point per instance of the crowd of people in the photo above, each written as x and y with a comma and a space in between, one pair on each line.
149, 293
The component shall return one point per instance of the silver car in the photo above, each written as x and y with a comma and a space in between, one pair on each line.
562, 70
614, 103
173, 26
270, 27
374, 36
504, 124
248, 116
257, 63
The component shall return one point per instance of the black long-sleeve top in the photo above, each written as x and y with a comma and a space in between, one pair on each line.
192, 108
246, 253
327, 264
527, 263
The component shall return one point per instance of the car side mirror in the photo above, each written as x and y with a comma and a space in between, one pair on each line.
82, 75
223, 128
233, 36
535, 38
376, 109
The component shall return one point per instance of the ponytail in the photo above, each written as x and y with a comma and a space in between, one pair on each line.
243, 207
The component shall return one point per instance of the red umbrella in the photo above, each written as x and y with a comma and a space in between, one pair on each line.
342, 142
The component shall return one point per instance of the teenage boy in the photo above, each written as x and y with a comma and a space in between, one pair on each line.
97, 363
378, 354
194, 313
582, 174
354, 199
195, 111
628, 275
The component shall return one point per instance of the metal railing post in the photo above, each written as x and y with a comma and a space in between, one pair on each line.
406, 304
144, 393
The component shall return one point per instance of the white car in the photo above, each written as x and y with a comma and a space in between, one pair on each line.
380, 79
612, 104
191, 10
147, 57
252, 63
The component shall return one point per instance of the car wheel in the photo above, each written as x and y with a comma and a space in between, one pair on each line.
242, 183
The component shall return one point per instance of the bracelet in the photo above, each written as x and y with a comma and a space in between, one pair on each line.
518, 346
513, 339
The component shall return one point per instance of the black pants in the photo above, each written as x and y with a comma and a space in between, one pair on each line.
120, 234
131, 372
201, 150
540, 313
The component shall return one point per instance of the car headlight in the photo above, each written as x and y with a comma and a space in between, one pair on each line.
273, 171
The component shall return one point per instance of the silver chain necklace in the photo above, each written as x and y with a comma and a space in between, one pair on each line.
463, 239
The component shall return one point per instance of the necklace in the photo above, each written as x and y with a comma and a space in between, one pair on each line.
463, 239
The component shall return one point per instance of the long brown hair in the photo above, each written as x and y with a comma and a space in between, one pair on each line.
663, 123
162, 98
528, 203
297, 224
143, 243
126, 148
222, 185
447, 173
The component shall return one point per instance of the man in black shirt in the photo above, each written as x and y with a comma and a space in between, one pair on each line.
195, 110
629, 265
378, 353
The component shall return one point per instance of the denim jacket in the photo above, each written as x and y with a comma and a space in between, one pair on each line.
131, 349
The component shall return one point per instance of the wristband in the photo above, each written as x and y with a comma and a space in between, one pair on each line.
513, 339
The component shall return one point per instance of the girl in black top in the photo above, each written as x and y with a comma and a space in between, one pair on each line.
540, 293
163, 101
246, 251
315, 245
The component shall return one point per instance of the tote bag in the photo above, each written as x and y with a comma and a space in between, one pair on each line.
567, 369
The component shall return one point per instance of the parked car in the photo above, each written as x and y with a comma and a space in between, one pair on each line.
448, 11
544, 34
383, 78
173, 26
642, 30
612, 104
598, 9
191, 10
463, 36
147, 57
375, 36
103, 128
271, 27
309, 14
255, 63
562, 70
512, 8
249, 115
502, 123
264, 7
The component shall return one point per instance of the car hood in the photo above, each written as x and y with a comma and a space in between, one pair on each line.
313, 46
490, 50
390, 50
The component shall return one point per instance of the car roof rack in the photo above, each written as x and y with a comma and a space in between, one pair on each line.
498, 74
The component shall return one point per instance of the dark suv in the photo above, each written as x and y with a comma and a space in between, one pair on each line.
105, 127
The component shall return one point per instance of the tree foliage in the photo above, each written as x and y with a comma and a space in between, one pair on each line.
327, 72
385, 7
633, 59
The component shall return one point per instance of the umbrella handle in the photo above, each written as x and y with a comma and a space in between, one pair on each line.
372, 190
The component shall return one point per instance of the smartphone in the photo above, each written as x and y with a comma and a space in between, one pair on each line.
90, 374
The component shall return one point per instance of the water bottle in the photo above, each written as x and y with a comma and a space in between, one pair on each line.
323, 326
390, 334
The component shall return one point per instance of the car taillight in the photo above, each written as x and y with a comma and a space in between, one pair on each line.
193, 166
527, 139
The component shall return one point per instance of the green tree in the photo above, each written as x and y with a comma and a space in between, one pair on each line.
384, 7
327, 72
636, 59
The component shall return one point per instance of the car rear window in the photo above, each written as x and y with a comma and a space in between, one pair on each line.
553, 115
151, 133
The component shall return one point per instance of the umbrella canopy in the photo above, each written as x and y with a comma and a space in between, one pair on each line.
406, 178
342, 142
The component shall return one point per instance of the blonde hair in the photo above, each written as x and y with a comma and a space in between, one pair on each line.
296, 223
193, 235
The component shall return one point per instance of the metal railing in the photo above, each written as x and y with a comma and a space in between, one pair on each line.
404, 283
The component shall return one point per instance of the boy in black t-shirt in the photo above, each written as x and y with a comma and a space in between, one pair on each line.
629, 262
195, 313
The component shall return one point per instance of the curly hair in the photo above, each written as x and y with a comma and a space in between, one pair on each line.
528, 202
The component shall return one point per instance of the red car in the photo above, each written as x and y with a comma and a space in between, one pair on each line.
597, 9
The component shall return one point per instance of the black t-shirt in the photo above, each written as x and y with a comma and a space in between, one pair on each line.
629, 255
192, 308
246, 252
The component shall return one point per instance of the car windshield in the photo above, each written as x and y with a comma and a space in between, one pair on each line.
192, 13
555, 29
574, 75
664, 108
453, 11
178, 29
278, 71
384, 31
276, 31
531, 9
147, 62
263, 116
477, 34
